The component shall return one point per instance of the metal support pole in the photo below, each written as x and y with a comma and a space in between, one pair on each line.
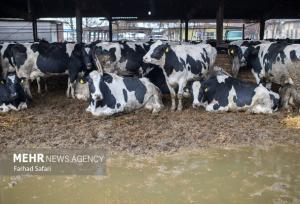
186, 30
261, 28
110, 29
34, 30
78, 24
180, 31
33, 19
243, 31
220, 18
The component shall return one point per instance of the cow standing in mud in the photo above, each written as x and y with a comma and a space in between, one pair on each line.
225, 93
180, 64
111, 94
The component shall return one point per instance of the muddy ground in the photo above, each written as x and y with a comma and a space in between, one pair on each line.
55, 121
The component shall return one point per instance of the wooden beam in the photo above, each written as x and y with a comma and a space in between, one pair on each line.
78, 23
186, 30
220, 19
110, 29
261, 28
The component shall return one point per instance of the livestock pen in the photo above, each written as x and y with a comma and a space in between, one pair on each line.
188, 156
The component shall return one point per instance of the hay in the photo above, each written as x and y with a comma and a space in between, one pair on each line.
9, 121
292, 122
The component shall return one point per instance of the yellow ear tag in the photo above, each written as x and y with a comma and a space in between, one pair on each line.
206, 89
2, 82
167, 50
231, 51
81, 81
22, 81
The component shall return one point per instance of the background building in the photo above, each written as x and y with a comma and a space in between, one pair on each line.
21, 31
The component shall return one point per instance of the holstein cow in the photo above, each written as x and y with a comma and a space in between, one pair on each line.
272, 61
126, 59
39, 60
5, 50
123, 58
236, 50
180, 64
12, 95
225, 93
112, 94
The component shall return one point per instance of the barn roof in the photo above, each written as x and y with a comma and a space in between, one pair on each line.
160, 9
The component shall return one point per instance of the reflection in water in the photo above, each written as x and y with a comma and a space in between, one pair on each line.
245, 175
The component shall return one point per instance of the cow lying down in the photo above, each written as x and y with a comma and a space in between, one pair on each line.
225, 93
12, 95
112, 94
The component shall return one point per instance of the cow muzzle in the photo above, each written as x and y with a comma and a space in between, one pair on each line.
13, 96
196, 104
89, 66
97, 97
146, 59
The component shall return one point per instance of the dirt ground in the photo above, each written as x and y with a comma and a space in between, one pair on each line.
52, 120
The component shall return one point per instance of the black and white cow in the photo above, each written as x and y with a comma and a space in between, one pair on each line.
126, 59
33, 61
12, 95
122, 58
111, 94
272, 61
5, 50
225, 93
180, 64
236, 50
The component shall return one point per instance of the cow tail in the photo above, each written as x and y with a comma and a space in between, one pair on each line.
96, 60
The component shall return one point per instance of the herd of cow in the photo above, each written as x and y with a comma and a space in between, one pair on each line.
124, 76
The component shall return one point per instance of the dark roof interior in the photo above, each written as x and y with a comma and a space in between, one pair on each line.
160, 9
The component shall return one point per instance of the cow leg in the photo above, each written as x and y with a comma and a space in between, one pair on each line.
27, 88
180, 95
46, 86
38, 81
256, 76
72, 84
173, 96
68, 88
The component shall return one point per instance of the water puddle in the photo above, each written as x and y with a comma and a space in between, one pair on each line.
244, 175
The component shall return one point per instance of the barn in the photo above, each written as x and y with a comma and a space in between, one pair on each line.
165, 118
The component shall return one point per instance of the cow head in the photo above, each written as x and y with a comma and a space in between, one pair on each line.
105, 55
195, 88
156, 54
250, 53
236, 56
13, 85
83, 53
94, 80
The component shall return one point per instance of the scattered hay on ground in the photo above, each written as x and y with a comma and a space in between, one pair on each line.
292, 122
